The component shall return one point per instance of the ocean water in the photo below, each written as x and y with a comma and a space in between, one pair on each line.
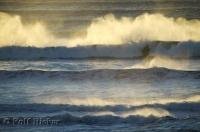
99, 95
99, 65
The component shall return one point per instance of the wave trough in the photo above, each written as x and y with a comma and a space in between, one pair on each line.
181, 50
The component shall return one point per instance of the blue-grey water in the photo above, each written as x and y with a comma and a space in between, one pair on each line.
135, 86
100, 95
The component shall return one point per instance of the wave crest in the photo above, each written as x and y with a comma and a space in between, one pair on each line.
143, 112
146, 112
147, 27
106, 30
114, 101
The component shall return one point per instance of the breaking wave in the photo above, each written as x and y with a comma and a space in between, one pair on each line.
14, 32
115, 101
106, 30
111, 118
146, 112
101, 110
146, 27
142, 112
68, 119
72, 114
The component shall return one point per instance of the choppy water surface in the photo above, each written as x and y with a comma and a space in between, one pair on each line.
99, 65
101, 95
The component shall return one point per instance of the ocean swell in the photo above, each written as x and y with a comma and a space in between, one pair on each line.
101, 115
183, 50
105, 30
101, 74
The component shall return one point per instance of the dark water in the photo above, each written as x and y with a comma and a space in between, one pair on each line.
138, 86
98, 95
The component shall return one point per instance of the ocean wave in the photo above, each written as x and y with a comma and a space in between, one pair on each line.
114, 101
184, 50
71, 114
101, 74
106, 119
147, 112
68, 119
156, 110
114, 31
142, 112
191, 103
